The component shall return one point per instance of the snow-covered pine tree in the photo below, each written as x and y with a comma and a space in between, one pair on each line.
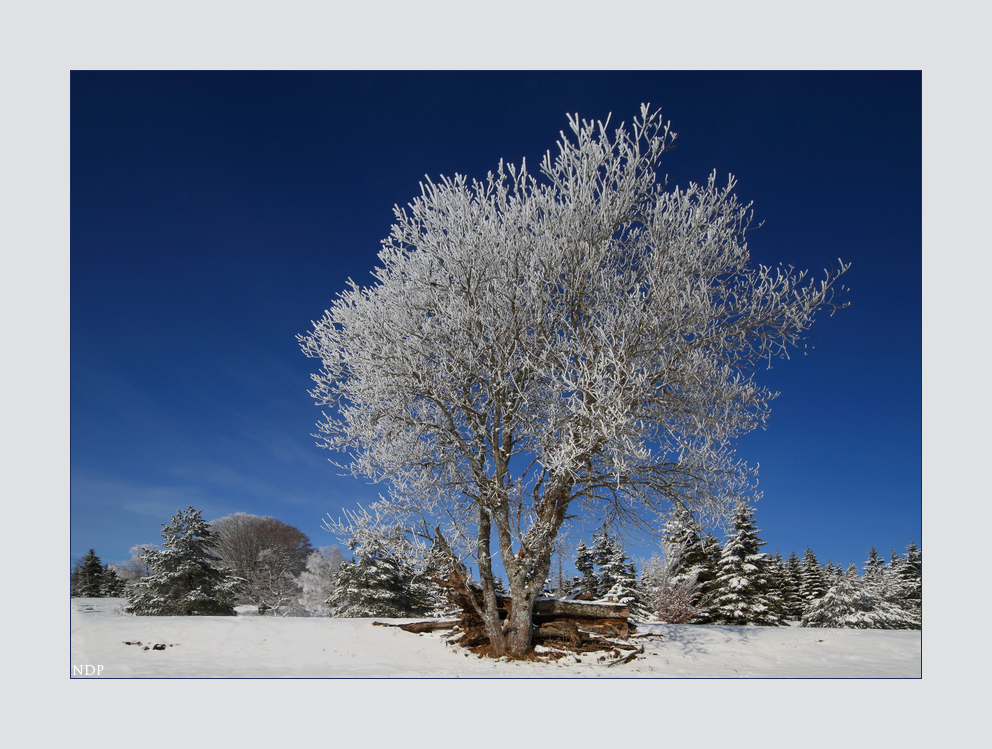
743, 591
185, 580
616, 576
87, 578
792, 603
557, 585
706, 585
859, 603
909, 573
812, 584
778, 584
692, 560
379, 581
114, 585
875, 565
585, 564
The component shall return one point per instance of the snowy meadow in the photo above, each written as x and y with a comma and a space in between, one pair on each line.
108, 644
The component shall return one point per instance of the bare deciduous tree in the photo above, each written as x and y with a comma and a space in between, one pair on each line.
536, 348
267, 554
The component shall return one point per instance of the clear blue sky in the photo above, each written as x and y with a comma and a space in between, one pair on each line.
214, 215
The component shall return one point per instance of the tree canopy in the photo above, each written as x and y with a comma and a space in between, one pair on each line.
535, 347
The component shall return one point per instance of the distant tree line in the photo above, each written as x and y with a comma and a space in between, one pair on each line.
90, 578
210, 568
698, 580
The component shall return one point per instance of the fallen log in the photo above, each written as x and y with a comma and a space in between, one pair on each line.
417, 627
574, 609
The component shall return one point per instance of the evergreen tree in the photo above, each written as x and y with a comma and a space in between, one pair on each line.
874, 565
692, 560
185, 580
909, 573
778, 585
812, 583
113, 585
88, 577
381, 581
585, 564
743, 591
557, 586
858, 603
789, 590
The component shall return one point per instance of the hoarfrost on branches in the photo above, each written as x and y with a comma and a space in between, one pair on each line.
535, 347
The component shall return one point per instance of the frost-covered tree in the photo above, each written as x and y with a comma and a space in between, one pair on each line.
316, 580
185, 579
535, 347
669, 597
744, 593
132, 570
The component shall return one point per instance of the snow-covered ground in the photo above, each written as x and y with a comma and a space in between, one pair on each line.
270, 647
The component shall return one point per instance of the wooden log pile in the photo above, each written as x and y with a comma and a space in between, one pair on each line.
576, 625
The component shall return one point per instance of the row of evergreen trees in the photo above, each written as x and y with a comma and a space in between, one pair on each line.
696, 580
699, 580
90, 578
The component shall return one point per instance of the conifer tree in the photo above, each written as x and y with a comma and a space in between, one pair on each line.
692, 560
585, 564
909, 573
789, 591
706, 574
874, 565
858, 603
812, 583
113, 585
778, 585
185, 580
381, 581
744, 594
88, 577
557, 586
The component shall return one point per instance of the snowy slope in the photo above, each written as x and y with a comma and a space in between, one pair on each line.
270, 647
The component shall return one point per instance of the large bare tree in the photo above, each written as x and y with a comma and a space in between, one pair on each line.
265, 553
536, 348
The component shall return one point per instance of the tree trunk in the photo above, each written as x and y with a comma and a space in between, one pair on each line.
490, 612
529, 567
520, 625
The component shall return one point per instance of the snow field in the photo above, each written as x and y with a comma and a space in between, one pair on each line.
273, 647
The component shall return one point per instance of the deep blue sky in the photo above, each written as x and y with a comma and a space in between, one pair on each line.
214, 215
